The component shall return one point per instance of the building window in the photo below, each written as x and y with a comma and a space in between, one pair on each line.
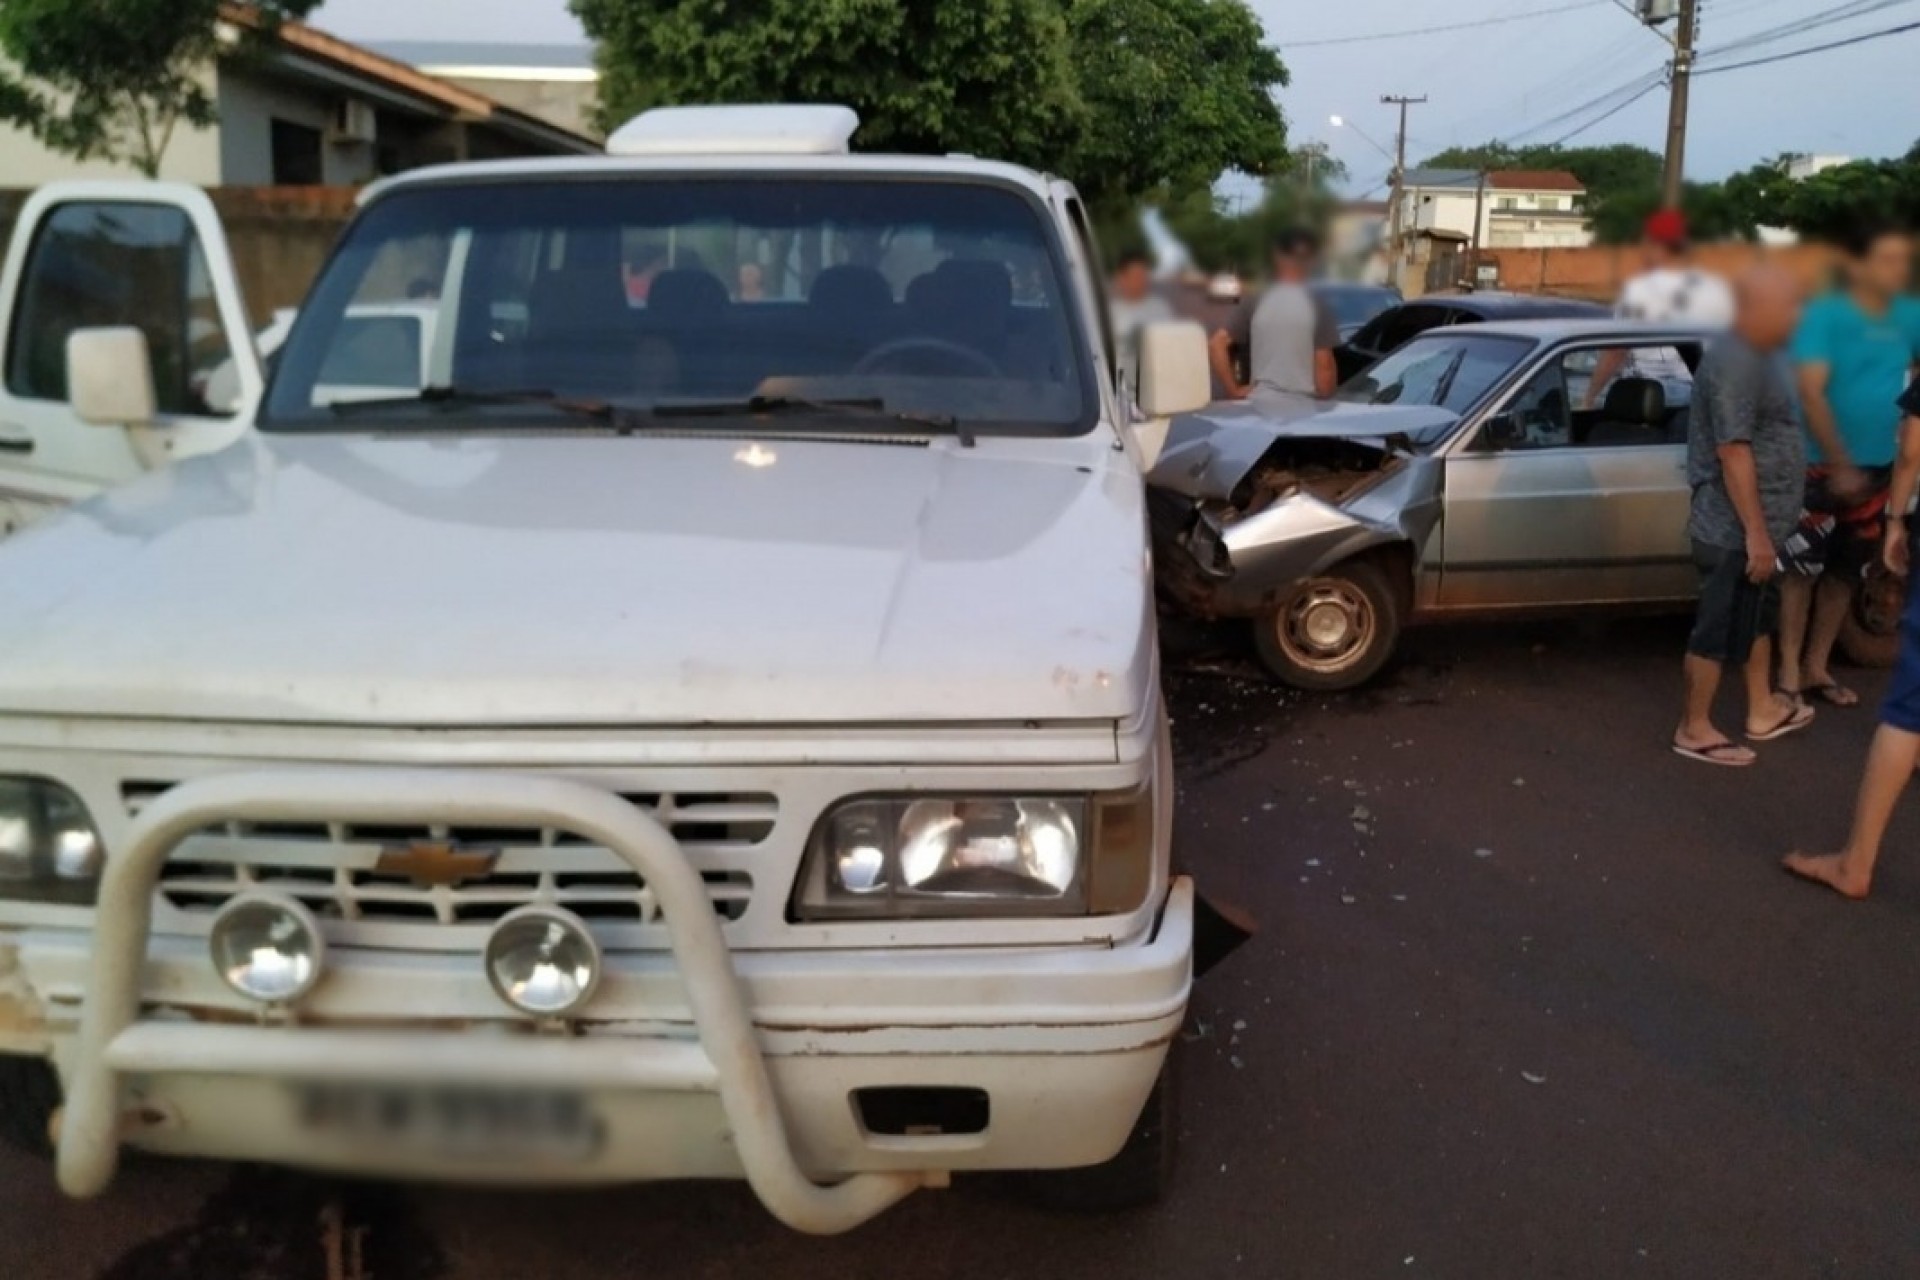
1506, 203
1551, 202
296, 155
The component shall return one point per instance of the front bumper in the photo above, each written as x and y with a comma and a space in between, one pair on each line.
698, 1063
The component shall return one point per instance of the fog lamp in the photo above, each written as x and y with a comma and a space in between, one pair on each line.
267, 947
542, 961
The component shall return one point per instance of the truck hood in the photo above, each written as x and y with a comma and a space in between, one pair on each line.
1208, 453
568, 580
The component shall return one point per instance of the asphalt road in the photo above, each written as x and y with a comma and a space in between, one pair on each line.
1531, 999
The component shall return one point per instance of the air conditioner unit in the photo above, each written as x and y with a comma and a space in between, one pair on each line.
1655, 12
353, 121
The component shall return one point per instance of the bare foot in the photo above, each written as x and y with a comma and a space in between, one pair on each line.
1829, 869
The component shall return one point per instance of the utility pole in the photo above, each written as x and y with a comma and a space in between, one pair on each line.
1479, 202
1681, 74
1399, 173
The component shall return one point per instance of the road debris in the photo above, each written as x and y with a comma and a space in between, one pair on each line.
1531, 1078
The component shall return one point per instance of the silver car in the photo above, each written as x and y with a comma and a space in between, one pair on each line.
1484, 470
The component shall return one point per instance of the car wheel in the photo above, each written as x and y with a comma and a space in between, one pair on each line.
1331, 631
1870, 633
29, 1095
1140, 1175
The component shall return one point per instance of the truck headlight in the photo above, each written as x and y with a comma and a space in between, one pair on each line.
49, 851
922, 856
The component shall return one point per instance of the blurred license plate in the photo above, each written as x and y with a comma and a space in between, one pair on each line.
454, 1121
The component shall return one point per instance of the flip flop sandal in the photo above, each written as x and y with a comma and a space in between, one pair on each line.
1799, 718
1720, 753
1829, 694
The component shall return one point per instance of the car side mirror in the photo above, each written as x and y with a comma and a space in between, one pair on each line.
1504, 431
1175, 376
110, 377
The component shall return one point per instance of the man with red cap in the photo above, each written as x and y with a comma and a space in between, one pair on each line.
1669, 290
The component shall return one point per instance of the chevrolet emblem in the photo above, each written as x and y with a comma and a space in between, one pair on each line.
433, 864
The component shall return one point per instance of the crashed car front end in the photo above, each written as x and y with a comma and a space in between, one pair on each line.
1246, 504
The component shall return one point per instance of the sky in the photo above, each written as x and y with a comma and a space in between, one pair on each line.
1512, 80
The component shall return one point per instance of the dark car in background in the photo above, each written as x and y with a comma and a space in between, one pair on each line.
1354, 304
1395, 327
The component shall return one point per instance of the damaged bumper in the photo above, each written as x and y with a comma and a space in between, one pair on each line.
701, 1062
1292, 517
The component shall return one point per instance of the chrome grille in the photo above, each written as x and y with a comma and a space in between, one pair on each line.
334, 867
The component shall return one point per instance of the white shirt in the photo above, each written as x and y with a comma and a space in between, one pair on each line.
1673, 295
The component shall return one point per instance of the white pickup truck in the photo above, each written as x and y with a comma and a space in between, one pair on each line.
684, 736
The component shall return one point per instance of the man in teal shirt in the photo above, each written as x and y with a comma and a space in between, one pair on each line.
1855, 351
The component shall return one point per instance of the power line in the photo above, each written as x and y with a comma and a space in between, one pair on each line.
1817, 48
1605, 115
1810, 23
1436, 30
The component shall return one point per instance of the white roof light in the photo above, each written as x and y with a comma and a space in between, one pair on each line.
736, 131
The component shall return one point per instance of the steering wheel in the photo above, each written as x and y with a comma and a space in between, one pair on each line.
965, 359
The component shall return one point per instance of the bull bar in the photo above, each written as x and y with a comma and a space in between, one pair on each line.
728, 1062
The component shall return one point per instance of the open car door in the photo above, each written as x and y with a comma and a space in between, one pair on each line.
151, 255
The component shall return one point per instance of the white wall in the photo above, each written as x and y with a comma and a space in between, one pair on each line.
192, 156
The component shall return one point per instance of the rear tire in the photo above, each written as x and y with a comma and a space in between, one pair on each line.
1139, 1176
1870, 633
29, 1095
1332, 631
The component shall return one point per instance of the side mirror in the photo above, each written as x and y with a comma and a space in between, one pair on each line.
1504, 431
1175, 376
110, 377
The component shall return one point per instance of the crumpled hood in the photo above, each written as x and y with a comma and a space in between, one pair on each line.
566, 580
1208, 453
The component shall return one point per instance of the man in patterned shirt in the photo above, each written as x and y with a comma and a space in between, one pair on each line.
1671, 290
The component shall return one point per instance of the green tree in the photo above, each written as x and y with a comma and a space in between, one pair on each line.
1130, 98
1177, 92
1823, 206
114, 79
986, 76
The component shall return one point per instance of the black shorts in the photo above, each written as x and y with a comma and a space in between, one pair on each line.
1734, 611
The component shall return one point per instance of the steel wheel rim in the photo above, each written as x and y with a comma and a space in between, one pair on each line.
1326, 626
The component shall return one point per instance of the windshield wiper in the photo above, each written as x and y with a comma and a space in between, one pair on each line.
868, 406
451, 397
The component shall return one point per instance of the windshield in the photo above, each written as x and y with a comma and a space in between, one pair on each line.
930, 301
1449, 370
1354, 305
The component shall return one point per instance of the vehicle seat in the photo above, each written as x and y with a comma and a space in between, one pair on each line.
968, 301
687, 308
849, 310
1634, 412
579, 331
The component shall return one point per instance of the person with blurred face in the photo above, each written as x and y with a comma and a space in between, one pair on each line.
1288, 335
1133, 304
750, 283
1855, 351
1745, 460
1670, 289
1896, 744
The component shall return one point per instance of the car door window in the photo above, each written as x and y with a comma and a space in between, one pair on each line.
1597, 397
96, 263
1409, 323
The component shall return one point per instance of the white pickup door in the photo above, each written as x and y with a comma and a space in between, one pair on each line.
89, 254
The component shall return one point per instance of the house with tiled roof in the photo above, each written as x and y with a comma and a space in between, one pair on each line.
1516, 208
311, 109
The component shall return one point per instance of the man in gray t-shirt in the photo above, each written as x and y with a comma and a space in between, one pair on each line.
1746, 463
1288, 334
